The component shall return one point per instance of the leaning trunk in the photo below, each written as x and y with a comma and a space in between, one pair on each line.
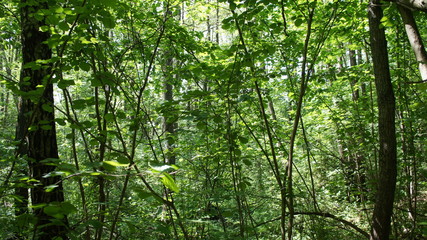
415, 40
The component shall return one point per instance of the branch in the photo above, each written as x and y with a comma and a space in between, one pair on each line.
326, 215
416, 82
343, 221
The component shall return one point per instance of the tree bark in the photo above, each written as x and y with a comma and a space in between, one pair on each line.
169, 121
36, 127
386, 185
420, 5
415, 39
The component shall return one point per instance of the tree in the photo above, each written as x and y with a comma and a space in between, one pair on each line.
36, 130
386, 179
240, 120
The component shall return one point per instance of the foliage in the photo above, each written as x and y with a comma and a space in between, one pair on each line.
239, 71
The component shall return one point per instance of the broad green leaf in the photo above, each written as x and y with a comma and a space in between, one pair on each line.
59, 10
84, 66
52, 19
109, 117
68, 208
60, 121
163, 168
169, 182
299, 22
47, 107
24, 219
63, 26
54, 211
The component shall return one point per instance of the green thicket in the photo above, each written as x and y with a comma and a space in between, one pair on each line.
269, 130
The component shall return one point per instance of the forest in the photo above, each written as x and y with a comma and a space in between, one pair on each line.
213, 119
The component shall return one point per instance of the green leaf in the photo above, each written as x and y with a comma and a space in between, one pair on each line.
52, 19
247, 162
115, 164
47, 107
243, 139
33, 66
33, 128
60, 121
232, 5
386, 22
54, 211
169, 182
50, 188
142, 193
95, 224
46, 127
217, 119
422, 86
79, 103
109, 117
163, 168
108, 22
109, 3
68, 208
84, 66
299, 22
59, 10
63, 26
44, 28
24, 219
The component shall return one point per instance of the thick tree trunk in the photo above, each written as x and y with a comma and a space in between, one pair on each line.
383, 208
36, 127
415, 40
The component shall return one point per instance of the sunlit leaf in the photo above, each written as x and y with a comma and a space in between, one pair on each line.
115, 164
169, 182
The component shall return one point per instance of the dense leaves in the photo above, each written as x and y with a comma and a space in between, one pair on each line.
209, 119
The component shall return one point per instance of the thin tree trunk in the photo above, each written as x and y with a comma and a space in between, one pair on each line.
383, 208
415, 40
303, 86
353, 82
169, 121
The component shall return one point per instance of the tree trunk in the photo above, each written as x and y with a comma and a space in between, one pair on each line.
413, 4
169, 118
383, 207
415, 40
36, 127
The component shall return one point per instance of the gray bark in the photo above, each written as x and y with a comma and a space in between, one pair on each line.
415, 39
420, 5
